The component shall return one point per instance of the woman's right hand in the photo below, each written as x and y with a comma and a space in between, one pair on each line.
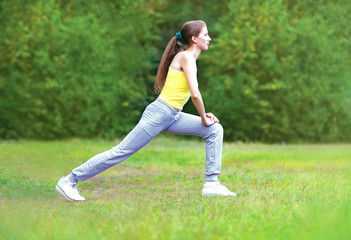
208, 121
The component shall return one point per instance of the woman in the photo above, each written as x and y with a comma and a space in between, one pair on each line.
176, 82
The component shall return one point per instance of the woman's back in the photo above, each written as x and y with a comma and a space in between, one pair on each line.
175, 92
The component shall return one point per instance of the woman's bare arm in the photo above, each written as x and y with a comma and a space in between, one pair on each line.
188, 63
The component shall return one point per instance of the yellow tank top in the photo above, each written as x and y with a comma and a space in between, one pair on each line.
175, 92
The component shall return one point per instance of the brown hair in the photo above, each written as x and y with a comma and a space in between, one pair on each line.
174, 46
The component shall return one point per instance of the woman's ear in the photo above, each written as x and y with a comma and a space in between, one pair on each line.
193, 39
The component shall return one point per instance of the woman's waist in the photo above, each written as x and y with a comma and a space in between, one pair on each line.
164, 104
175, 101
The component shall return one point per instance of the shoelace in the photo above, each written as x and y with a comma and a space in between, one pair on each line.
75, 186
219, 185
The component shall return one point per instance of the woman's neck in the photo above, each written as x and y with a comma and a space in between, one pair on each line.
195, 51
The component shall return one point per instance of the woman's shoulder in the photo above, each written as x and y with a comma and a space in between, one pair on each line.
182, 60
185, 56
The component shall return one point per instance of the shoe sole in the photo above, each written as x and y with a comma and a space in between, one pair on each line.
218, 195
65, 196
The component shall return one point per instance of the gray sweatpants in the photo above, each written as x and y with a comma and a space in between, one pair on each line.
157, 117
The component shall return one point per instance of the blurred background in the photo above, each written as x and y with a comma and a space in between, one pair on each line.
276, 70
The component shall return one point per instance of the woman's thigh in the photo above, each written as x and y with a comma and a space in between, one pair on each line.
188, 124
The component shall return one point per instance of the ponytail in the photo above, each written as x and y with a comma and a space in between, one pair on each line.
171, 50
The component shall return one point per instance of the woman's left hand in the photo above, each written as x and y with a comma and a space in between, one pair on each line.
213, 117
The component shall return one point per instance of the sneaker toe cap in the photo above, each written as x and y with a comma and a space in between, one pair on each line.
232, 194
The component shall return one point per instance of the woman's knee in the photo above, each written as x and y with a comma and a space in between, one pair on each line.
218, 128
215, 130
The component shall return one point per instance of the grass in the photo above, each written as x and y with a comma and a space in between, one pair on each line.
284, 192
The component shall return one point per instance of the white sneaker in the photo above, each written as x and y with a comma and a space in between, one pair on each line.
68, 190
216, 189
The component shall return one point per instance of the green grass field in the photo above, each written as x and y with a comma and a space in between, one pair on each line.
284, 192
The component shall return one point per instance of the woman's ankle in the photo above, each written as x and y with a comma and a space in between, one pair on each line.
72, 178
212, 178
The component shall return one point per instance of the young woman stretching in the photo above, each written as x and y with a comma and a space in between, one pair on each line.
176, 82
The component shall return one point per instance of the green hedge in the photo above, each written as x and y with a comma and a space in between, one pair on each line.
278, 75
72, 69
276, 70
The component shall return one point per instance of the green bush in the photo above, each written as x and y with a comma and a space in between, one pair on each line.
73, 69
276, 75
275, 71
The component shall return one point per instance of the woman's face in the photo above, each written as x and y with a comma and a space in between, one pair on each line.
203, 40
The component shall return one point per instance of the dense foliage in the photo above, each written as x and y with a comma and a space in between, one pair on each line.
276, 70
280, 74
70, 69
